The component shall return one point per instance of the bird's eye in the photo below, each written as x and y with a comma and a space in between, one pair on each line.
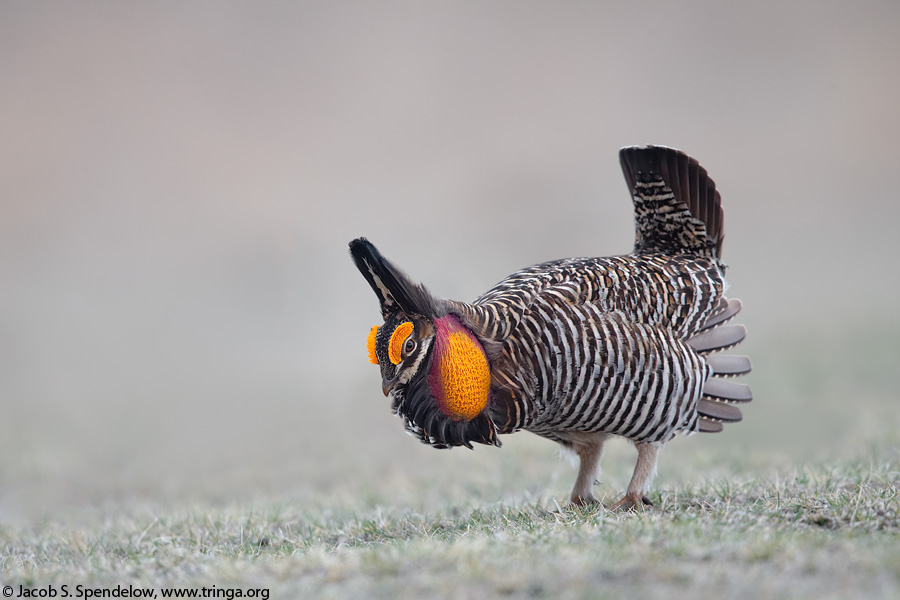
409, 346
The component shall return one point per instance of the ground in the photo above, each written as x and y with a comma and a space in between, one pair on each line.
815, 531
784, 505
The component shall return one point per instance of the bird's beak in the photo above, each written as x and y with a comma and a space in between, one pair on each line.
387, 385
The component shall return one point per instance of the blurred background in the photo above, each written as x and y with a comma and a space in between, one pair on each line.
180, 319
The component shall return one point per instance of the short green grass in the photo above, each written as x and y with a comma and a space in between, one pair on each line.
823, 531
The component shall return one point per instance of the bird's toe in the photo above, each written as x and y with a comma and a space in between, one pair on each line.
631, 502
582, 501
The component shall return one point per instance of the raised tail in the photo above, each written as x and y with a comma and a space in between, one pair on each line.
720, 395
676, 206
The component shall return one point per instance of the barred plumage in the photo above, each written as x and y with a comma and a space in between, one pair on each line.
585, 348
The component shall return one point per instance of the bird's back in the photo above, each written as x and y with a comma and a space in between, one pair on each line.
674, 292
604, 344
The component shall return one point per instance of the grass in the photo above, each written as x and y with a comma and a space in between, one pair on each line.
802, 500
824, 531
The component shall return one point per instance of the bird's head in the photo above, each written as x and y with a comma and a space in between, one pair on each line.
432, 366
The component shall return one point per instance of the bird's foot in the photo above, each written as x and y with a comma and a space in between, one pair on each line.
582, 501
631, 502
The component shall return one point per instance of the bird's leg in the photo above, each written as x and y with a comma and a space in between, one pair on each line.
589, 455
644, 471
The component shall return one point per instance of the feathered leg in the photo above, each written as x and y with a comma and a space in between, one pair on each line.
589, 455
644, 472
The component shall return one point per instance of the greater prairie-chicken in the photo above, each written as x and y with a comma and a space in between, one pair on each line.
580, 349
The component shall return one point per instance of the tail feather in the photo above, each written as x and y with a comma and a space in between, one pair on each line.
719, 411
727, 309
720, 338
727, 391
677, 207
709, 426
720, 395
729, 365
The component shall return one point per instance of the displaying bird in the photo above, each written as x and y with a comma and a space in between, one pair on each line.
581, 349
